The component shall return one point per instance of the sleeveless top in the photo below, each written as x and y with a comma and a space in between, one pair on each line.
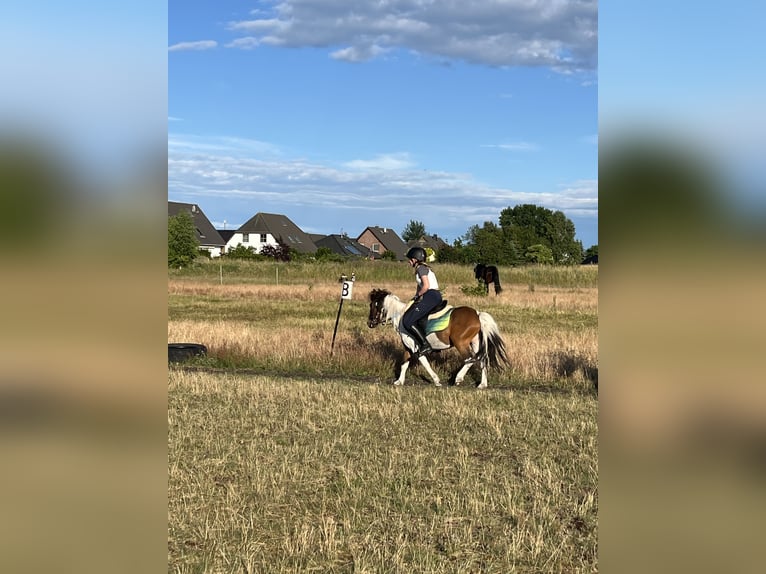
426, 270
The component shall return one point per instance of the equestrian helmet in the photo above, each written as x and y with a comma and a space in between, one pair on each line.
417, 253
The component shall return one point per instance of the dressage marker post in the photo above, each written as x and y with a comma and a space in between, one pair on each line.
346, 291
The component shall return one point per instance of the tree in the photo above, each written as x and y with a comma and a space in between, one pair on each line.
490, 245
591, 254
539, 254
529, 225
242, 252
564, 247
183, 244
413, 231
452, 253
279, 252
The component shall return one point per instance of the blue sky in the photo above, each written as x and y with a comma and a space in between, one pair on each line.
342, 115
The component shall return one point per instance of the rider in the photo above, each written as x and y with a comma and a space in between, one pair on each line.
427, 296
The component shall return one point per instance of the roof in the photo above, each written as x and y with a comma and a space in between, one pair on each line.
315, 237
281, 228
343, 245
432, 241
388, 238
207, 235
227, 234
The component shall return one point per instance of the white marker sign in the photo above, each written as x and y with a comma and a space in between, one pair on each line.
347, 289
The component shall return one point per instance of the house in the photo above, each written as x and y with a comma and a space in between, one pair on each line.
226, 234
379, 240
269, 229
207, 235
343, 245
431, 241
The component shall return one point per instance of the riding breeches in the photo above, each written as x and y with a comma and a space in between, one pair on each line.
422, 308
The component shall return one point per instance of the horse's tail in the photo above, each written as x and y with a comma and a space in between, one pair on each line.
491, 344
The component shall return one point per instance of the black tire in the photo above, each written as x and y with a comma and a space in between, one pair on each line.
180, 352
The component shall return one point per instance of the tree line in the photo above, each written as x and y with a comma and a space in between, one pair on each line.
524, 234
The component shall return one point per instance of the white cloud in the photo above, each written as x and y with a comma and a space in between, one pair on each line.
221, 144
382, 162
246, 43
516, 146
357, 53
382, 190
199, 45
561, 35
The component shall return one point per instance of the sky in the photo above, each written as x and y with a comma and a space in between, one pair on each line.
343, 115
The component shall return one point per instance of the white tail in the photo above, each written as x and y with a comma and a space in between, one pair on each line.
492, 347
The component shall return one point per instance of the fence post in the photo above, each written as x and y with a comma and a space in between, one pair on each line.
346, 292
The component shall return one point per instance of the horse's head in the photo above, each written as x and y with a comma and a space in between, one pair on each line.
478, 271
377, 312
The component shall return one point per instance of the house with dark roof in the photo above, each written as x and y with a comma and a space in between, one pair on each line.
432, 241
379, 240
271, 229
207, 235
226, 234
343, 245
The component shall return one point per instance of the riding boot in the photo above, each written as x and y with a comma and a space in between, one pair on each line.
420, 338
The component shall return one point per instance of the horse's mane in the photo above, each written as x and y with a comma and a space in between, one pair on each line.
390, 302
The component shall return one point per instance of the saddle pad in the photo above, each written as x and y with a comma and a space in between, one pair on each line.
439, 321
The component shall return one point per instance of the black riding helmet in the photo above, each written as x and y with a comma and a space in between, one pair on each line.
417, 253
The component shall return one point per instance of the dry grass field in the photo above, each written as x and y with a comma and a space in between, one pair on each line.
285, 458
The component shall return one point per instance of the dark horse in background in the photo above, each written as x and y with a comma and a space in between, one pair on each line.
488, 274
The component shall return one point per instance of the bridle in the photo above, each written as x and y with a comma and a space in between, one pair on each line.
376, 319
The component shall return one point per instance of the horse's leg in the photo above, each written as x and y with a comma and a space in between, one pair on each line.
468, 352
472, 351
427, 366
483, 383
403, 369
460, 375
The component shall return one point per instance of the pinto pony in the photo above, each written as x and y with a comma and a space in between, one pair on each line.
488, 274
473, 333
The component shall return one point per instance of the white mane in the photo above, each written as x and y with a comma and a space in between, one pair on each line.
394, 308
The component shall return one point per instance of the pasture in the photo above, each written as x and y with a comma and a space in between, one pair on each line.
284, 458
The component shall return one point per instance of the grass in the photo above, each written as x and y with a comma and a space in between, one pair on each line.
309, 273
269, 475
288, 458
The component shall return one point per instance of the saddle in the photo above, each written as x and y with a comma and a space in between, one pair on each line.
437, 319
440, 309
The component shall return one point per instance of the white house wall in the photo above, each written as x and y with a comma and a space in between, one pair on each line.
214, 251
254, 241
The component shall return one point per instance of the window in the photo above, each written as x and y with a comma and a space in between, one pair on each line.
263, 238
245, 238
376, 247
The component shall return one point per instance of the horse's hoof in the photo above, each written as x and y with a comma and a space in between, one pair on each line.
437, 384
398, 383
